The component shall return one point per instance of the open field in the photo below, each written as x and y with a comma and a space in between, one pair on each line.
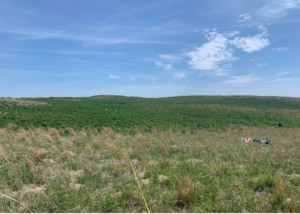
176, 113
57, 154
203, 171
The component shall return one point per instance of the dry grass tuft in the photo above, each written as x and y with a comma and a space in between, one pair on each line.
29, 162
161, 146
56, 134
191, 191
72, 132
31, 132
108, 132
180, 194
36, 154
117, 150
143, 139
38, 131
49, 138
116, 168
279, 190
89, 148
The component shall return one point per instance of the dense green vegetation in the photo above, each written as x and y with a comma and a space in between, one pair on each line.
191, 112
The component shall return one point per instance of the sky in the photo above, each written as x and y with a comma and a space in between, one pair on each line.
154, 48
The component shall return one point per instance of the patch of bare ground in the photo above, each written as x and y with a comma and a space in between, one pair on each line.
49, 161
161, 178
70, 153
30, 189
195, 160
23, 102
145, 181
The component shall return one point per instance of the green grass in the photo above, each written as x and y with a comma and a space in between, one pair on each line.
90, 171
176, 113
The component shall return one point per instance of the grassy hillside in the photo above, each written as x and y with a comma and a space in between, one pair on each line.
90, 171
184, 113
73, 155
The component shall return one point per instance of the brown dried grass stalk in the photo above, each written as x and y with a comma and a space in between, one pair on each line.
72, 132
143, 139
89, 148
180, 188
191, 191
279, 190
31, 132
49, 138
15, 172
108, 132
56, 134
36, 154
117, 150
116, 168
161, 146
29, 162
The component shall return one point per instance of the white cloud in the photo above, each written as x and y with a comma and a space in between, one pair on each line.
281, 80
261, 64
212, 54
229, 65
133, 78
170, 60
250, 44
242, 80
113, 77
277, 8
179, 75
282, 73
166, 66
280, 49
244, 17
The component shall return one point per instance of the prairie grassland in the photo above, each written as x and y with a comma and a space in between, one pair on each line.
90, 171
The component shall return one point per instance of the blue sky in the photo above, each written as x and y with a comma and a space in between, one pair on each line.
154, 48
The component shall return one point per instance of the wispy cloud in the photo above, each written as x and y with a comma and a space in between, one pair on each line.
133, 78
91, 38
113, 77
282, 73
242, 80
179, 75
277, 8
68, 52
281, 80
169, 58
261, 64
166, 66
244, 17
280, 49
168, 61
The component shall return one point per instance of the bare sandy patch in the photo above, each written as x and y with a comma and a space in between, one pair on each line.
161, 178
145, 181
22, 102
70, 153
49, 161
